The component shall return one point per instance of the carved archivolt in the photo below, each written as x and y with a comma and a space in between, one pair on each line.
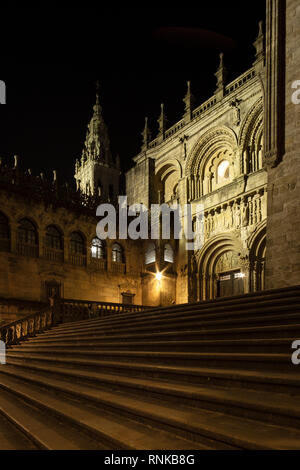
214, 249
216, 146
213, 140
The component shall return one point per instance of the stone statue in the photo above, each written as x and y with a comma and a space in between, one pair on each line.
245, 214
237, 216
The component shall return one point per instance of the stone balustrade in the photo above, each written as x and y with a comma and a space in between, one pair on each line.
28, 326
61, 311
68, 310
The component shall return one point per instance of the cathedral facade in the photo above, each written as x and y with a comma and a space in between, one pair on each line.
214, 156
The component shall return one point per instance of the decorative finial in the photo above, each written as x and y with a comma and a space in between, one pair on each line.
221, 60
189, 102
221, 76
259, 47
146, 134
162, 120
97, 83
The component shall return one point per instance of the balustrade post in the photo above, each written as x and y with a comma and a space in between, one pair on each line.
56, 307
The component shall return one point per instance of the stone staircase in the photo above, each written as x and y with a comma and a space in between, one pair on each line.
212, 375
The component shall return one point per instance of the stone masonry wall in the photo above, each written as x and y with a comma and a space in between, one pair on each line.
283, 226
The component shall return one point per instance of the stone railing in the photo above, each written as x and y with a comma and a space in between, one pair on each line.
240, 81
99, 264
77, 259
61, 311
174, 129
204, 107
53, 254
26, 249
68, 310
117, 268
207, 105
28, 326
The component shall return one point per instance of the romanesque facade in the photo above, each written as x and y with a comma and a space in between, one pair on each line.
213, 157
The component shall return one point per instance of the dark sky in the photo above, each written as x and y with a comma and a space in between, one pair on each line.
51, 58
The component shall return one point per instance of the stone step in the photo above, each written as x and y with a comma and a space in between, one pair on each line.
197, 423
272, 345
268, 380
264, 318
284, 409
244, 300
212, 375
103, 428
11, 438
185, 312
45, 432
280, 330
84, 358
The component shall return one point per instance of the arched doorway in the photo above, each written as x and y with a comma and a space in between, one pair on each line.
221, 272
230, 278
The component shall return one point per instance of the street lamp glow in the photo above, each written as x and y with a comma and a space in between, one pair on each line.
158, 276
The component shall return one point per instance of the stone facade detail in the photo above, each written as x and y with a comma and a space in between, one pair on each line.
283, 225
213, 157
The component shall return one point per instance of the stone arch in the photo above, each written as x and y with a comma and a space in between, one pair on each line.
208, 259
257, 257
251, 139
215, 146
167, 175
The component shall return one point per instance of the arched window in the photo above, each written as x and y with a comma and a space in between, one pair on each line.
53, 238
98, 248
77, 244
117, 253
4, 233
223, 172
168, 254
27, 239
27, 233
150, 255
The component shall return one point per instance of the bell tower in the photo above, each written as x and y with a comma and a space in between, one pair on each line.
96, 173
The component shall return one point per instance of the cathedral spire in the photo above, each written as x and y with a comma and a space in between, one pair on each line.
189, 101
97, 145
146, 135
97, 172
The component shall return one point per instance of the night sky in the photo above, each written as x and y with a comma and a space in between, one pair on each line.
51, 58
